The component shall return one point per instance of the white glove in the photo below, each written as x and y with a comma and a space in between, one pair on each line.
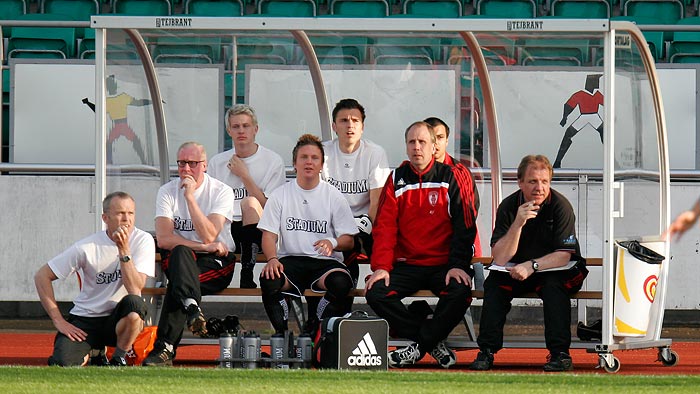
364, 224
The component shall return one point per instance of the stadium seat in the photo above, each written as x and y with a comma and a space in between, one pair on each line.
11, 9
41, 42
86, 49
497, 51
561, 52
179, 49
254, 51
655, 39
141, 7
433, 8
507, 8
214, 7
404, 50
79, 10
360, 8
580, 8
290, 8
336, 50
685, 46
666, 12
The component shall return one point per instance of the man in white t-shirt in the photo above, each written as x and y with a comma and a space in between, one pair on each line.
112, 267
252, 171
358, 168
193, 216
306, 225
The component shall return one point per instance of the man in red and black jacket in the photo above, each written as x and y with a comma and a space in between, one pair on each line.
423, 238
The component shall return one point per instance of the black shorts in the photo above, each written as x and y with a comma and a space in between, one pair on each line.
304, 272
101, 332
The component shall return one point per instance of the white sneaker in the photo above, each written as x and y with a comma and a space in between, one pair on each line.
408, 355
445, 356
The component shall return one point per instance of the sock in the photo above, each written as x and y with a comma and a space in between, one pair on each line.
118, 352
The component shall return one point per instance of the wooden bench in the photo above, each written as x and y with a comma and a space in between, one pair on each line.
479, 263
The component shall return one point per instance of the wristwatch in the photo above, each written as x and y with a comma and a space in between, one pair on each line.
535, 265
125, 259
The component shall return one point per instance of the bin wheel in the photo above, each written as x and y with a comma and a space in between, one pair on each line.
611, 364
668, 357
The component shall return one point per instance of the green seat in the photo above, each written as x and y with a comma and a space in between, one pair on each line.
360, 8
666, 12
182, 53
86, 49
41, 42
289, 8
433, 8
11, 9
214, 7
507, 8
181, 49
336, 55
79, 10
685, 45
655, 39
554, 52
253, 51
141, 7
404, 50
580, 8
336, 50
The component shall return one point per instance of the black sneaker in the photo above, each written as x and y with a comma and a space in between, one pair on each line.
159, 357
118, 361
592, 332
483, 361
445, 356
408, 355
558, 362
98, 358
195, 320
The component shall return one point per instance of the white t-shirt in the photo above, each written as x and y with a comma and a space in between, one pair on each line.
96, 260
301, 217
357, 173
212, 196
265, 167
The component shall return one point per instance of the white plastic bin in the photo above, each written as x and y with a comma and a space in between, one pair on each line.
636, 275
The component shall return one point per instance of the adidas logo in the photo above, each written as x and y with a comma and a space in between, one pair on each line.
365, 354
401, 182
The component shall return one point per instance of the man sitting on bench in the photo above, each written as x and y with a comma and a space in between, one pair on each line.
534, 230
423, 239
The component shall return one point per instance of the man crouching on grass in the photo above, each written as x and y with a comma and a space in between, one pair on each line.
112, 266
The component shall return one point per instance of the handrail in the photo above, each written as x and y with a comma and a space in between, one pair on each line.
480, 173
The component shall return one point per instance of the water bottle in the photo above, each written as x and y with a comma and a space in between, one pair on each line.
277, 350
251, 347
226, 350
305, 350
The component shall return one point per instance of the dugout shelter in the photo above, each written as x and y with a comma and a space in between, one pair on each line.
494, 80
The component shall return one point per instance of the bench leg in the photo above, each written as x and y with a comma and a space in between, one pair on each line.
298, 311
469, 324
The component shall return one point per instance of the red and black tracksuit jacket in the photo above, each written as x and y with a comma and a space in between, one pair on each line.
426, 218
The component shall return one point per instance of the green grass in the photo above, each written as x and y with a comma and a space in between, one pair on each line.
209, 380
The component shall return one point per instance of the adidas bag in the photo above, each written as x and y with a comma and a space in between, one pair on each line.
355, 341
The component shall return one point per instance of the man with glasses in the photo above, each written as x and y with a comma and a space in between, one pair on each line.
253, 172
193, 216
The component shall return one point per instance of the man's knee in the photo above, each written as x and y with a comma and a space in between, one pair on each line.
180, 252
135, 304
338, 284
67, 353
271, 286
377, 293
251, 210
